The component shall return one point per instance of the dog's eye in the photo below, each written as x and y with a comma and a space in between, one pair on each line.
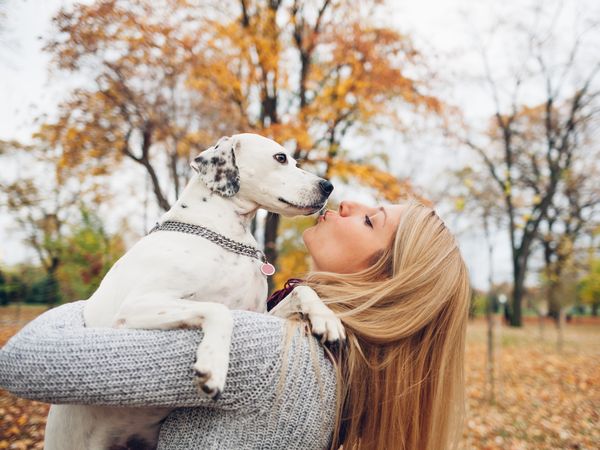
281, 158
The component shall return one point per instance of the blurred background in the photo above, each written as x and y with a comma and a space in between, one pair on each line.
487, 110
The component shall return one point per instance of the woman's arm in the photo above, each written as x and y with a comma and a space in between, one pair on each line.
55, 359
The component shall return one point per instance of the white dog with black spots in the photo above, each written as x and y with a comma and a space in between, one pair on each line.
171, 280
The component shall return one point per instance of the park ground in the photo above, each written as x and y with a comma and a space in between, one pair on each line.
544, 398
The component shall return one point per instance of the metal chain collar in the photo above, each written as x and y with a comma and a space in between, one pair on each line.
226, 243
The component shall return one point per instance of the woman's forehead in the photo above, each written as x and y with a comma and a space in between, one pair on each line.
392, 215
394, 209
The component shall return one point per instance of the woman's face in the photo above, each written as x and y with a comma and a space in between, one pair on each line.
345, 242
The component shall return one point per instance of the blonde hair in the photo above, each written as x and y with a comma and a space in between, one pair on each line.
400, 377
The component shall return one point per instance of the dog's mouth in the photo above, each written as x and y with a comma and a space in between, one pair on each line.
309, 208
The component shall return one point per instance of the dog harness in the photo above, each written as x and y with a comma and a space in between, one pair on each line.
228, 244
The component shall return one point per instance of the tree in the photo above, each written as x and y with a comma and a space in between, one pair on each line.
3, 289
43, 205
139, 108
573, 210
572, 216
589, 286
171, 78
15, 286
89, 253
527, 149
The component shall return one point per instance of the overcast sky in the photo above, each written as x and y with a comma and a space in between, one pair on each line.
442, 28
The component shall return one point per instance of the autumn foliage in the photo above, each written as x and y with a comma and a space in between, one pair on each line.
170, 77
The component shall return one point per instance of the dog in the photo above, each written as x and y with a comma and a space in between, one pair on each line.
173, 280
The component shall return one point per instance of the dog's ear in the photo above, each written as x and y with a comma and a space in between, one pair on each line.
216, 167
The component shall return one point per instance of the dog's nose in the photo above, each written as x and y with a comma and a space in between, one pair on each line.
326, 187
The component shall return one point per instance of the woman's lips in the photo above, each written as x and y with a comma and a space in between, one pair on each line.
324, 216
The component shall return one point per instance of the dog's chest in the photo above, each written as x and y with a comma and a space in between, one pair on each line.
208, 272
231, 279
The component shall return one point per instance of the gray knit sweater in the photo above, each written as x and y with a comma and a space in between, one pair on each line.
266, 404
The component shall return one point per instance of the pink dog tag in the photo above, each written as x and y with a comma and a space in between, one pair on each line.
267, 269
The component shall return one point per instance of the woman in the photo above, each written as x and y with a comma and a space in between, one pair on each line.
395, 277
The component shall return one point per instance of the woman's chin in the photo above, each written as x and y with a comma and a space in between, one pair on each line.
309, 240
307, 235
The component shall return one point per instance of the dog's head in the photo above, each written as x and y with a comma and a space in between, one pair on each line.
260, 170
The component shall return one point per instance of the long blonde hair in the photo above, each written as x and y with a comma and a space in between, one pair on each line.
400, 377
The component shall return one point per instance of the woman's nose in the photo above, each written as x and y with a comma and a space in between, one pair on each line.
348, 208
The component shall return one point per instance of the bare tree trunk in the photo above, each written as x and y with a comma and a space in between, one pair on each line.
160, 197
560, 325
490, 350
271, 226
144, 160
272, 221
515, 313
51, 285
146, 200
491, 304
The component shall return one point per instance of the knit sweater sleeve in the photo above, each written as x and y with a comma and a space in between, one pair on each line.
56, 359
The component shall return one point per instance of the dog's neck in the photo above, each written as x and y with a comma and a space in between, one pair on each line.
198, 205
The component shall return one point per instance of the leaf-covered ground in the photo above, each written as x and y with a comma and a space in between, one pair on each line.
22, 422
544, 399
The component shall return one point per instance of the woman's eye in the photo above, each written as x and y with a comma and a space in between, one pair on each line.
281, 158
368, 221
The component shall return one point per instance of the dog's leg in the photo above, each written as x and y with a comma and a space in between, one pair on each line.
154, 311
304, 300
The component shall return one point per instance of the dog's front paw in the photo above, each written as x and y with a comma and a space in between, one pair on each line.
326, 326
210, 371
323, 322
207, 382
